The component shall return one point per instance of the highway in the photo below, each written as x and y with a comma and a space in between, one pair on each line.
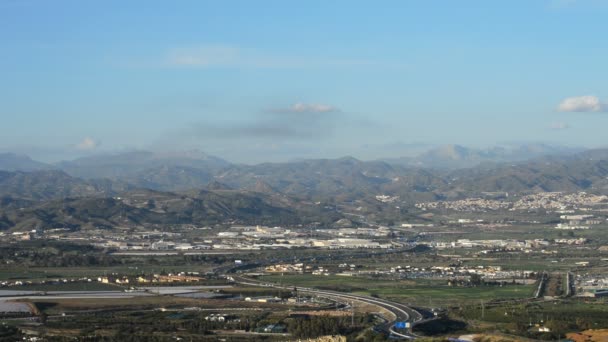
401, 312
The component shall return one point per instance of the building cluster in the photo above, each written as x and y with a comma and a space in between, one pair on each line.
181, 277
235, 237
288, 268
269, 238
591, 285
554, 201
460, 274
452, 274
18, 236
387, 199
341, 269
350, 232
559, 201
510, 245
507, 244
11, 283
577, 222
577, 241
467, 205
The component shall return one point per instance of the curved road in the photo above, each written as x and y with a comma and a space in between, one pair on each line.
402, 312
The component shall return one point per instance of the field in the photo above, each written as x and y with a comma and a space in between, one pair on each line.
427, 293
560, 316
143, 303
45, 273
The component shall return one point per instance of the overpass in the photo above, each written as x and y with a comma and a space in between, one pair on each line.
401, 312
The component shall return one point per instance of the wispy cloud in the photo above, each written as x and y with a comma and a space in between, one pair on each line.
300, 121
306, 108
87, 144
587, 103
257, 130
227, 56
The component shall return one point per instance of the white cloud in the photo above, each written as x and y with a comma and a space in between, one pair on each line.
559, 126
587, 103
307, 108
87, 144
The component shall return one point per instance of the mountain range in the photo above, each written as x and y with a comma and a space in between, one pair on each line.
453, 157
196, 188
343, 178
152, 209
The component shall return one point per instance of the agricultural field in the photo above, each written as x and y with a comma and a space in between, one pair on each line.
559, 316
418, 292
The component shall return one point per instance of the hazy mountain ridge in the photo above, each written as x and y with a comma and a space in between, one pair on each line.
53, 184
342, 179
17, 162
130, 164
454, 157
170, 178
158, 209
272, 193
586, 171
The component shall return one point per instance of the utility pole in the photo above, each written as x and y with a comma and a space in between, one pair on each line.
483, 310
353, 314
281, 287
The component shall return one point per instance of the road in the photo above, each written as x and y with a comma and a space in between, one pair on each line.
401, 312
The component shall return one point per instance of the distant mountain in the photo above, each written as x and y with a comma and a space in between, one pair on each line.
170, 178
348, 179
16, 162
263, 187
304, 178
303, 192
344, 179
586, 171
46, 185
151, 209
140, 164
460, 157
216, 186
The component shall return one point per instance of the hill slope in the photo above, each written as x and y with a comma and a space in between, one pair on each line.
46, 185
159, 209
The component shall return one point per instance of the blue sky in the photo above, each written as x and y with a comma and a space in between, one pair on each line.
276, 80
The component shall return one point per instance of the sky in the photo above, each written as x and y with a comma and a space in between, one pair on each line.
254, 81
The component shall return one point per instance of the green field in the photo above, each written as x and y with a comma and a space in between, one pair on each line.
560, 316
423, 292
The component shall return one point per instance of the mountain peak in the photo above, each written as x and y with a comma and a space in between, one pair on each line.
263, 187
215, 185
19, 162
